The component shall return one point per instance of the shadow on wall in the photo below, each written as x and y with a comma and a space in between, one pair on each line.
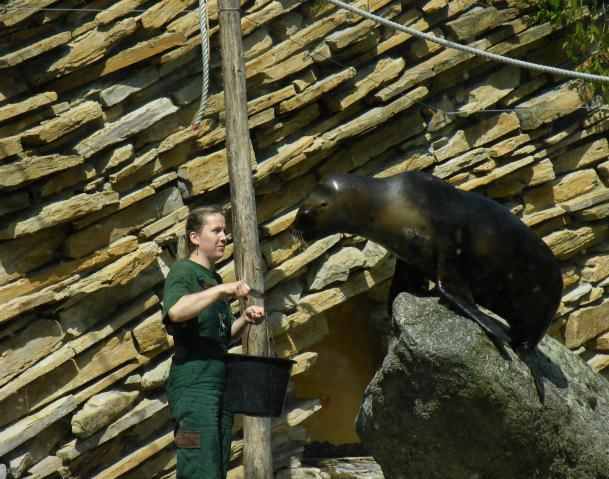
343, 369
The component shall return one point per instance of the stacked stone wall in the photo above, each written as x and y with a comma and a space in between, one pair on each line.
99, 166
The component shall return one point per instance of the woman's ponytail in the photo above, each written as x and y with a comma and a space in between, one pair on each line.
183, 250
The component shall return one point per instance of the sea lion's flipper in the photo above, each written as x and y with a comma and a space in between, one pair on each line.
493, 328
406, 278
529, 357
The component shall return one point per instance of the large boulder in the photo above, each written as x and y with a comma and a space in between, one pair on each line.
447, 404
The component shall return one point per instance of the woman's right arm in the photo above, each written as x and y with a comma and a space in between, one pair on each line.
191, 305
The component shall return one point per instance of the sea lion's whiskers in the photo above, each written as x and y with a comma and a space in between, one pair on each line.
298, 239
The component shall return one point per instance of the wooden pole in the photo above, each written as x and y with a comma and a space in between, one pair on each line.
257, 459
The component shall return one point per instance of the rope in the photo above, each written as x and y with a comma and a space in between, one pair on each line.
367, 15
203, 25
474, 51
589, 107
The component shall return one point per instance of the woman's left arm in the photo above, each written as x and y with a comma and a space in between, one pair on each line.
252, 315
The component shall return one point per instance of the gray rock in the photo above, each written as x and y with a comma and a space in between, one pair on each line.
101, 410
79, 318
133, 382
284, 298
118, 92
289, 23
335, 268
156, 376
26, 428
446, 404
20, 464
374, 253
32, 452
128, 125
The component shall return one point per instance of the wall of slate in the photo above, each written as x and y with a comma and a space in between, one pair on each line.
99, 166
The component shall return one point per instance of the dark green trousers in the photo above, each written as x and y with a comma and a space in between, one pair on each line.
195, 392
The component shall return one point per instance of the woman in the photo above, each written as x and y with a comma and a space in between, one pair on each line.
197, 312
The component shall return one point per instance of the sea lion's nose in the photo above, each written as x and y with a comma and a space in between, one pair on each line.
303, 217
305, 212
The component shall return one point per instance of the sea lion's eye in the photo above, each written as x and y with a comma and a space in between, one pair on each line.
323, 204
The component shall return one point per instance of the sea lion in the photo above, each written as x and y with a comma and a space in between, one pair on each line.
475, 250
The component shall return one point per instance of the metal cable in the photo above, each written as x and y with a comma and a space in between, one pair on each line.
375, 18
430, 107
473, 51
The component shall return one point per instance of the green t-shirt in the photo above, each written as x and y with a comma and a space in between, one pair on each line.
214, 322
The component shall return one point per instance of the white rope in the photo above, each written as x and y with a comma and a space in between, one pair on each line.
374, 18
203, 25
591, 106
474, 51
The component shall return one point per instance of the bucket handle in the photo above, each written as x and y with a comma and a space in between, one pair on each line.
269, 338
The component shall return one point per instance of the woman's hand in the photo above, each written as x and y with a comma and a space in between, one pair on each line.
237, 289
251, 315
254, 314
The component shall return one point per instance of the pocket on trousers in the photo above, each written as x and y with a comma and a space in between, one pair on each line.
188, 439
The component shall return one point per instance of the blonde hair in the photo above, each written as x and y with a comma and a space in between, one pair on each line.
194, 223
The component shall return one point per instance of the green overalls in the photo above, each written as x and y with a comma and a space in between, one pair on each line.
195, 387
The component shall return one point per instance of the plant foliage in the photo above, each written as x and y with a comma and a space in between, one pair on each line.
587, 24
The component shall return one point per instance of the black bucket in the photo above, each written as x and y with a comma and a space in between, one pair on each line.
255, 385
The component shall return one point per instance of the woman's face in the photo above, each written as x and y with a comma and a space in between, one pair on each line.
211, 240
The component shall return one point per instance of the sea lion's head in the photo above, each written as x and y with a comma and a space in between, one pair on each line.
329, 208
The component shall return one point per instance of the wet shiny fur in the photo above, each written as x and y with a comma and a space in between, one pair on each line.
475, 250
